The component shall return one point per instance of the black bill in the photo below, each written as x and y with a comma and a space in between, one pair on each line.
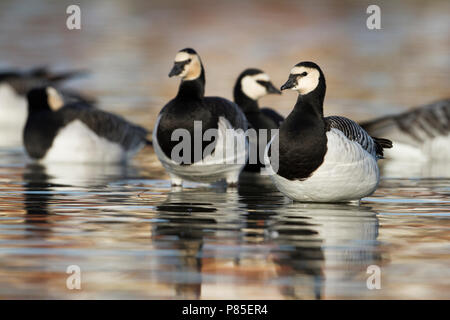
290, 83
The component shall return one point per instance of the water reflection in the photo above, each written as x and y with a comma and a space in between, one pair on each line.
219, 237
186, 217
37, 195
36, 189
259, 200
81, 175
206, 242
46, 184
326, 247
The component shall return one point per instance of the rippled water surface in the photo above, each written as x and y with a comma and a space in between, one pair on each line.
135, 237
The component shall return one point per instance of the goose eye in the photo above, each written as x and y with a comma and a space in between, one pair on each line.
262, 82
304, 73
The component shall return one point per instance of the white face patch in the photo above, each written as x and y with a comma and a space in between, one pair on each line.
182, 56
193, 69
54, 99
252, 88
309, 82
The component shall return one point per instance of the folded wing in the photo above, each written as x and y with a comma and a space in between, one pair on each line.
112, 127
355, 132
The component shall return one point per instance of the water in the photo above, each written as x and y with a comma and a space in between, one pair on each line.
135, 237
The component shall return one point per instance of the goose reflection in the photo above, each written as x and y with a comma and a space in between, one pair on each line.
296, 250
259, 199
186, 219
52, 230
323, 248
87, 175
44, 183
317, 248
37, 196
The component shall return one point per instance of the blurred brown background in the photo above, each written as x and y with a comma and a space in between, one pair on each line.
129, 46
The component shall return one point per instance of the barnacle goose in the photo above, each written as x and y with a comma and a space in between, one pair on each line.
76, 132
322, 159
251, 85
14, 85
422, 133
216, 119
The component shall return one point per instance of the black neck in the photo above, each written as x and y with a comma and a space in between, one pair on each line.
247, 104
303, 138
310, 104
37, 100
307, 115
36, 107
192, 89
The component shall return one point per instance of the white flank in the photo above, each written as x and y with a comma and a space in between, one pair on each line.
77, 143
347, 173
13, 115
407, 169
225, 163
437, 148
